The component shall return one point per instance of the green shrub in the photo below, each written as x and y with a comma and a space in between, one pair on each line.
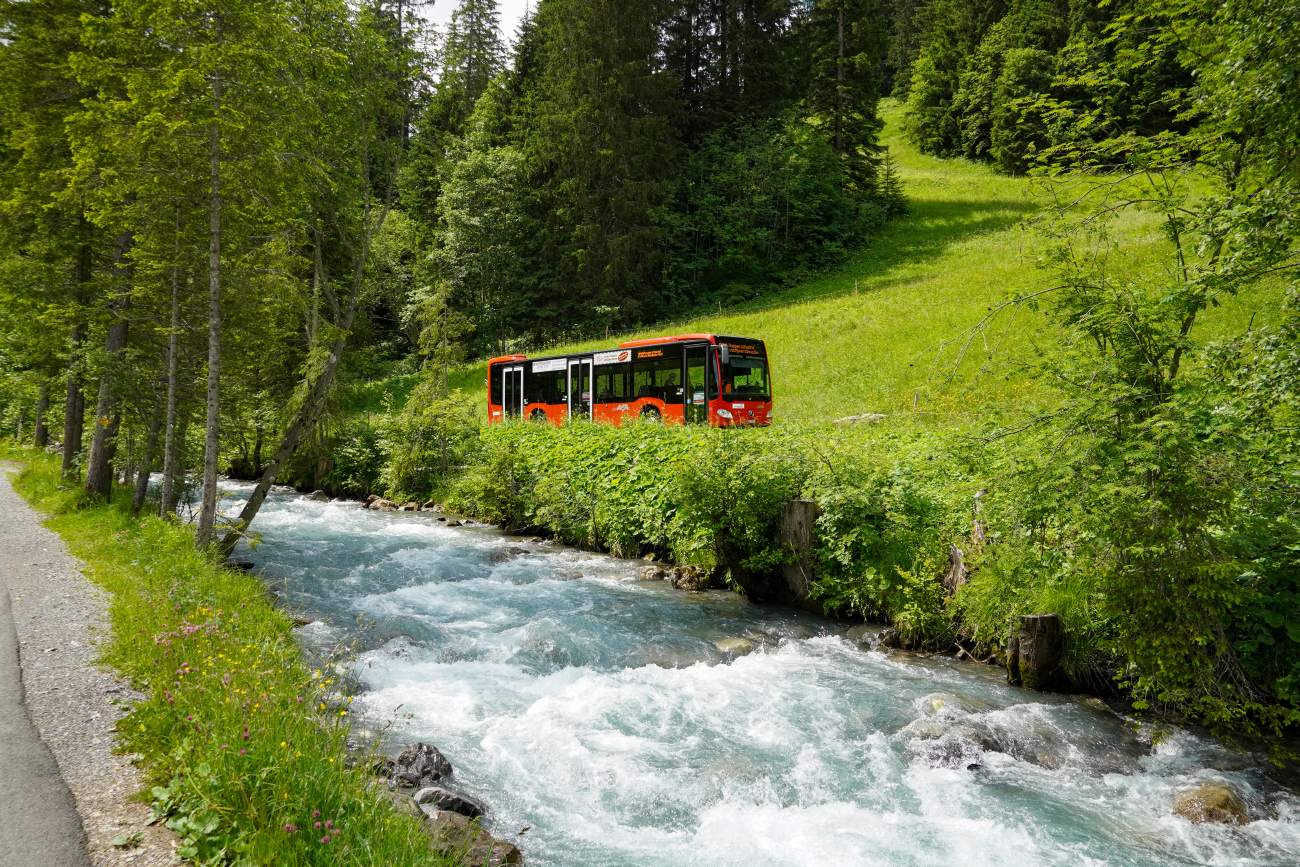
711, 498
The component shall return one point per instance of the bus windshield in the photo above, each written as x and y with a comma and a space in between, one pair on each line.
746, 378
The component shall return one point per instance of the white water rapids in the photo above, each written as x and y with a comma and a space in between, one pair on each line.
597, 710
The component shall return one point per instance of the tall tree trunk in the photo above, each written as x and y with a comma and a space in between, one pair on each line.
146, 459
173, 474
839, 87
173, 367
212, 441
74, 408
41, 434
99, 466
313, 318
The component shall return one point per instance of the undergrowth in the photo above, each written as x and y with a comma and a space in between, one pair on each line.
243, 744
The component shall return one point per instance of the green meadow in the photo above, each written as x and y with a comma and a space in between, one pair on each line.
890, 331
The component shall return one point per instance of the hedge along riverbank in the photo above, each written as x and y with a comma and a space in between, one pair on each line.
892, 500
241, 740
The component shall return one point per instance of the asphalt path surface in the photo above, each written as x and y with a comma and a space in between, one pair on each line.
39, 824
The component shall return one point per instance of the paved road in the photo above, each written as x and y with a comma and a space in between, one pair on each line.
39, 825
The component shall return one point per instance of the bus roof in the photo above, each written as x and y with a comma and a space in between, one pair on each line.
649, 341
492, 361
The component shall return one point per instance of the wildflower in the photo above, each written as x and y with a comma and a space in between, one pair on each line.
315, 814
317, 825
325, 839
291, 828
329, 824
243, 752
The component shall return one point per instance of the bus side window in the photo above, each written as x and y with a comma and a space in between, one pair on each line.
494, 373
711, 358
605, 384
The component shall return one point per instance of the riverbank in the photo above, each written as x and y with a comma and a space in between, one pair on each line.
244, 746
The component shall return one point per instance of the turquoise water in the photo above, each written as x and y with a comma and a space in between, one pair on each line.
598, 711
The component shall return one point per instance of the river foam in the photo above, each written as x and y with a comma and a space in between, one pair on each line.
598, 710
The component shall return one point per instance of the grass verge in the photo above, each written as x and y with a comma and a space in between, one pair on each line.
243, 747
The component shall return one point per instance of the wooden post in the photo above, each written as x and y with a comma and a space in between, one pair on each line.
796, 526
1040, 645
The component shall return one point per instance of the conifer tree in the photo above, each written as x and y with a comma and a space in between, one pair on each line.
473, 53
596, 126
43, 223
848, 42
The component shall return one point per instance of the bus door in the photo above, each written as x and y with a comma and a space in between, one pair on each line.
580, 387
697, 406
512, 391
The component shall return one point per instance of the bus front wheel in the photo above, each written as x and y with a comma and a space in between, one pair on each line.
651, 413
538, 415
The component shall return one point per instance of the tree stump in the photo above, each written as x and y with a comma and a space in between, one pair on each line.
1039, 647
796, 527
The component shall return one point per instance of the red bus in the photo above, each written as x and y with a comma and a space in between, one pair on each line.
686, 379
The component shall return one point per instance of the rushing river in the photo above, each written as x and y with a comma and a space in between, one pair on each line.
597, 710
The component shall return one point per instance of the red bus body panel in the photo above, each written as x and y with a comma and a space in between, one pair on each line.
744, 412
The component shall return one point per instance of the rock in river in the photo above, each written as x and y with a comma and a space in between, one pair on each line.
319, 496
419, 765
689, 578
734, 647
433, 798
453, 834
1212, 802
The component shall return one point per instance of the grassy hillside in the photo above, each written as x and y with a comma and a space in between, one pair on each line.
865, 338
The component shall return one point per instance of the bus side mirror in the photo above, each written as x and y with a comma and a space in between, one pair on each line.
724, 354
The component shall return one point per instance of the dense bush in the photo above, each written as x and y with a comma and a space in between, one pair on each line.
892, 502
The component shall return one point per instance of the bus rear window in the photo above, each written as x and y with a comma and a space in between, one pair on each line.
494, 373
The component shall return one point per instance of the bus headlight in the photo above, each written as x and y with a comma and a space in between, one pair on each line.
723, 413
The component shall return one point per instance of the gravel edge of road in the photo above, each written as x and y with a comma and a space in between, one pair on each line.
73, 700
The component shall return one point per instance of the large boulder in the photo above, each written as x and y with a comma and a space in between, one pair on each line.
319, 496
455, 835
1212, 802
442, 798
379, 504
734, 647
501, 555
418, 766
689, 578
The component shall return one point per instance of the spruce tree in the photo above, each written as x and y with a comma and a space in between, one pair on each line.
595, 124
848, 41
473, 53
